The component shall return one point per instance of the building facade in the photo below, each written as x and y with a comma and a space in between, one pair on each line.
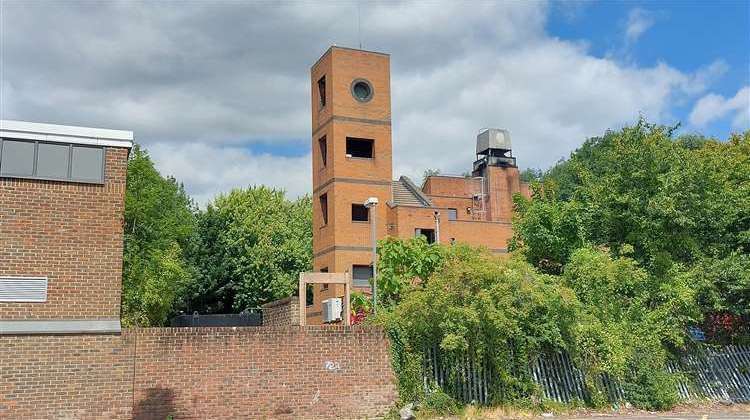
62, 192
352, 163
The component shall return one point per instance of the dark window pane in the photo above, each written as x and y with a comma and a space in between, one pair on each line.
323, 150
359, 213
359, 148
429, 234
324, 208
322, 91
52, 161
18, 158
362, 91
361, 275
87, 163
309, 295
452, 214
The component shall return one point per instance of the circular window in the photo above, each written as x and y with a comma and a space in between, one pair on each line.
362, 90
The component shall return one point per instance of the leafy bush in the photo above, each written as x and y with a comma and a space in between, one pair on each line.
612, 316
629, 322
500, 311
438, 402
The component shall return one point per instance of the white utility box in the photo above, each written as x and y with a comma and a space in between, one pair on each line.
332, 309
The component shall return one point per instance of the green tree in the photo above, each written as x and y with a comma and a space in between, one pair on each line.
252, 245
531, 174
159, 225
403, 263
428, 173
547, 229
668, 201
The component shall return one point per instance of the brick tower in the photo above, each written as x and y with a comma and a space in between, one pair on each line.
351, 153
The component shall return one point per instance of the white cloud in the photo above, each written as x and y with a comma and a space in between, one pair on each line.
713, 107
639, 21
209, 169
199, 83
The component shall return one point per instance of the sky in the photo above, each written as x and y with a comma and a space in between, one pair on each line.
218, 92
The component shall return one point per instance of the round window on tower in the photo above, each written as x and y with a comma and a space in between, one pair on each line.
362, 90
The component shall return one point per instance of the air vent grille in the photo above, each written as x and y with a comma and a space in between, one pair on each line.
23, 289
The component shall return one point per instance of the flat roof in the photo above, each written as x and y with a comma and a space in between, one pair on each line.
336, 47
65, 134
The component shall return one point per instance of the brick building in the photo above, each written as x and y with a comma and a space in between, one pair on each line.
62, 192
62, 351
352, 162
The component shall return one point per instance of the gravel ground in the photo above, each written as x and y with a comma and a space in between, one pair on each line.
700, 412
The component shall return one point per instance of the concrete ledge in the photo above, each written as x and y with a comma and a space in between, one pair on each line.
60, 326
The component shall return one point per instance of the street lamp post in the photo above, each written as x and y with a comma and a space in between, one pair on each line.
370, 205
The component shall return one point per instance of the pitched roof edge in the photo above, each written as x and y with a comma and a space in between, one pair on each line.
415, 190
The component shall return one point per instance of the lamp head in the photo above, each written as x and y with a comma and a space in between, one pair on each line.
371, 202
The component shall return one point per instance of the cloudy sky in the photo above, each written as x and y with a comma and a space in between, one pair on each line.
218, 92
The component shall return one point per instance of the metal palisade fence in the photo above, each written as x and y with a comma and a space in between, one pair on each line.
717, 373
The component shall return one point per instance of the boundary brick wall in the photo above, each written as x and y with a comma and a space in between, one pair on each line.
281, 312
198, 373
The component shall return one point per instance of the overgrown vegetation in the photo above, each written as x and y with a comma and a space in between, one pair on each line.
245, 249
251, 246
677, 207
622, 247
501, 312
159, 227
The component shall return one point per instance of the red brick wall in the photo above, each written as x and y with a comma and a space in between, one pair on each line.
70, 233
66, 376
281, 312
200, 373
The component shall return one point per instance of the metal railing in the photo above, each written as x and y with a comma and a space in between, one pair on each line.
716, 373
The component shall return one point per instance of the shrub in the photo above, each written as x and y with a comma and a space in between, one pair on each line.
500, 311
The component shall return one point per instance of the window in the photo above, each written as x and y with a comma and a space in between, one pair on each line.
324, 286
87, 163
361, 275
452, 214
324, 208
359, 148
322, 91
361, 90
17, 158
309, 295
53, 161
429, 234
323, 150
360, 213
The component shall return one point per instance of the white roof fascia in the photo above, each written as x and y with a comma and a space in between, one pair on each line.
66, 134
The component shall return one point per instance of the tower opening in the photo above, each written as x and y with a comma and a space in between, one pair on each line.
360, 213
359, 148
322, 143
322, 91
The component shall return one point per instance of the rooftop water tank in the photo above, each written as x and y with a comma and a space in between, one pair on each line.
492, 139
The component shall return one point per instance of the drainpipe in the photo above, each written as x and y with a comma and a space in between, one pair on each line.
370, 205
437, 227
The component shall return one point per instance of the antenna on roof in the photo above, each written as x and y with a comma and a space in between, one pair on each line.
359, 23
